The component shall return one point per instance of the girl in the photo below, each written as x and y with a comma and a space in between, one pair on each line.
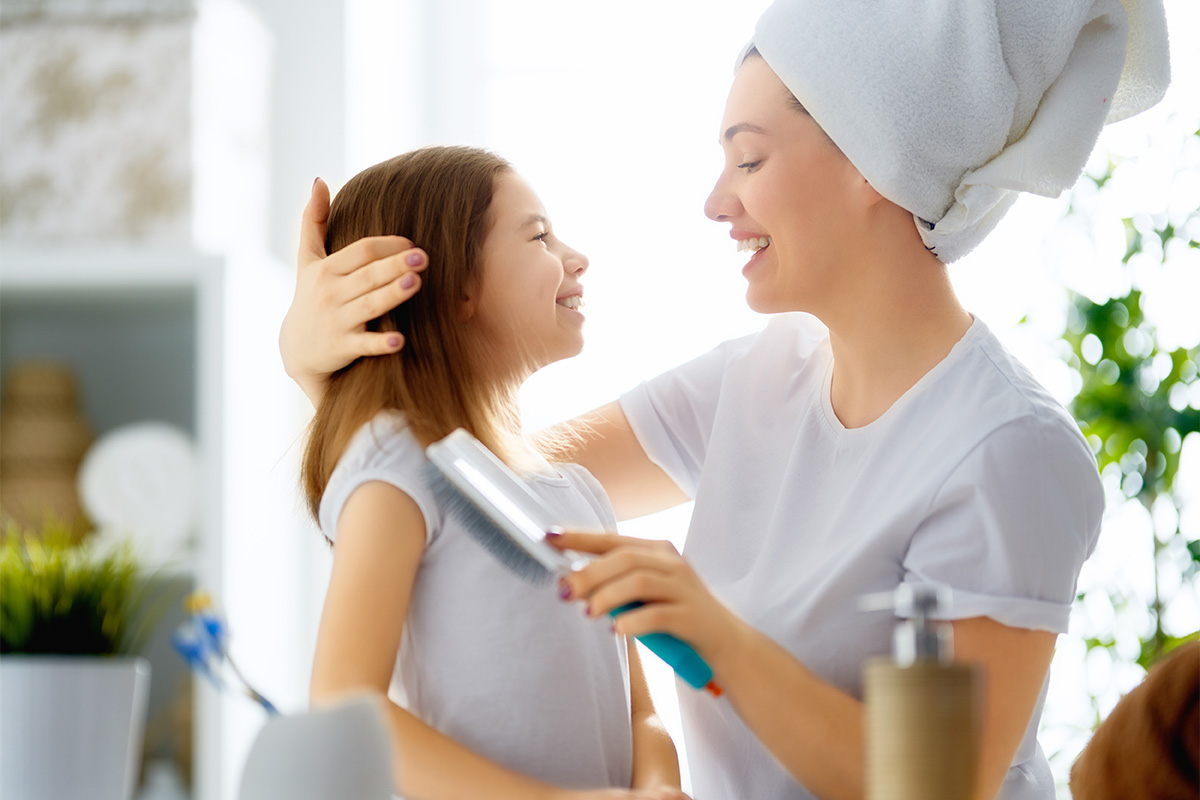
499, 690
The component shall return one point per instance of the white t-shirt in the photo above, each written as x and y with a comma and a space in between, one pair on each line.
501, 666
975, 479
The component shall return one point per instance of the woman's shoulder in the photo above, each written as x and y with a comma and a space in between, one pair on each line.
990, 401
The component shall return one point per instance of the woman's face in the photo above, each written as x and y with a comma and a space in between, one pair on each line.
527, 306
784, 184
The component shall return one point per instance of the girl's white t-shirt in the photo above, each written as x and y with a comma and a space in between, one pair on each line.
499, 665
975, 479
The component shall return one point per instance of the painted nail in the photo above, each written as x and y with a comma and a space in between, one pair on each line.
564, 590
552, 535
393, 341
589, 608
408, 281
414, 259
315, 180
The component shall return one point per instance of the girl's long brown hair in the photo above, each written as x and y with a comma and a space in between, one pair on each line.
438, 197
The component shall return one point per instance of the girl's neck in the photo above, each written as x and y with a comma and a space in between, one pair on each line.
902, 320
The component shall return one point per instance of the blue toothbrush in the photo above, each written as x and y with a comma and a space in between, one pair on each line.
500, 512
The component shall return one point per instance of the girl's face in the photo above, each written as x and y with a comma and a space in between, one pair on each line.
785, 185
527, 305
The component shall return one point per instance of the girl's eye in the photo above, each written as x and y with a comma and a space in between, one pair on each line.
541, 237
749, 166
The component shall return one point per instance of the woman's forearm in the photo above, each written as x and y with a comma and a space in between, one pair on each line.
812, 728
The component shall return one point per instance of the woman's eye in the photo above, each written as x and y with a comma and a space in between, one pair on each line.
541, 237
749, 166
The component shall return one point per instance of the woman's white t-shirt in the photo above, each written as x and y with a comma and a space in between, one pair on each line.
501, 666
975, 479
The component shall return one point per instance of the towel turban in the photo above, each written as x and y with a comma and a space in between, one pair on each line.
949, 108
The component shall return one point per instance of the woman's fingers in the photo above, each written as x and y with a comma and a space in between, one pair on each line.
619, 562
645, 585
587, 542
398, 270
600, 543
313, 225
363, 308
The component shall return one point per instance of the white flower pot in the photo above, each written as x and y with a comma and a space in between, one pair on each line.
71, 727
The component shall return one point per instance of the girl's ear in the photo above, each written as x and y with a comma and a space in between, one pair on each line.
468, 305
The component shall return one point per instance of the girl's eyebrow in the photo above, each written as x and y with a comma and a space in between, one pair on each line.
534, 219
741, 127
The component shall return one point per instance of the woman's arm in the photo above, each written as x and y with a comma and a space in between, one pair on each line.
381, 536
813, 729
325, 328
655, 762
604, 443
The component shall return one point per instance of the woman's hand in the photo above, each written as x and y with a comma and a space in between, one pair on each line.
336, 296
676, 600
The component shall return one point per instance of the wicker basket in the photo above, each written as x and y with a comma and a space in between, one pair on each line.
43, 437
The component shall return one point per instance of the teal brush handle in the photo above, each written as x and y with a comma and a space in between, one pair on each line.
686, 662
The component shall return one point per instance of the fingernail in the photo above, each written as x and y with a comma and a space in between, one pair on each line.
552, 535
315, 180
393, 341
408, 281
564, 590
414, 259
589, 608
613, 627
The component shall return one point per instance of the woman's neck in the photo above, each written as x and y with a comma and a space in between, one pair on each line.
899, 322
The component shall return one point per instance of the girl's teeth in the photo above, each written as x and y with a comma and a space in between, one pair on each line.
571, 302
755, 244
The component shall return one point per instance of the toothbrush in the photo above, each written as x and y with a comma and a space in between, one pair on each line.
500, 512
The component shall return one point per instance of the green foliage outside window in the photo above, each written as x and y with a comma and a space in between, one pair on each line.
1137, 403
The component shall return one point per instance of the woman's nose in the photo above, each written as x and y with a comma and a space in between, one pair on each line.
722, 204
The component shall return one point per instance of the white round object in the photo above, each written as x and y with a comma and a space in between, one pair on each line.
139, 482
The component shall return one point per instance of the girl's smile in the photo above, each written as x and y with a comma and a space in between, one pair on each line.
529, 299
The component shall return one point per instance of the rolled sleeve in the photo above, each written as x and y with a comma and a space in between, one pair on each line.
1011, 527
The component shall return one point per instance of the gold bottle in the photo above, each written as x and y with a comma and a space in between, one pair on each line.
922, 708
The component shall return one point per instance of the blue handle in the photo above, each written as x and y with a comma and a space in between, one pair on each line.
686, 662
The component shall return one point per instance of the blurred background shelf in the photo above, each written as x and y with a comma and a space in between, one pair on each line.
142, 330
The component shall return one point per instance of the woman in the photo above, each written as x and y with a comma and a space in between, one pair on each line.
866, 146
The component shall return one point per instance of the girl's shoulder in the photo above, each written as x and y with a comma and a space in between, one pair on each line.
385, 450
385, 440
590, 492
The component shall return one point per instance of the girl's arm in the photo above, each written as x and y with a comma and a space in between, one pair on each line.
814, 729
655, 762
381, 536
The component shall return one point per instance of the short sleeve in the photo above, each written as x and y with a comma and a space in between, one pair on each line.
1010, 528
381, 452
672, 415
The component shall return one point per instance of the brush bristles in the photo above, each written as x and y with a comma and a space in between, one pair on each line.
485, 530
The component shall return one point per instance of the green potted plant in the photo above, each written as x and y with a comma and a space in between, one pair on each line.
74, 692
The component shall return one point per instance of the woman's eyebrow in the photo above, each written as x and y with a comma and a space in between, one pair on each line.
534, 219
742, 127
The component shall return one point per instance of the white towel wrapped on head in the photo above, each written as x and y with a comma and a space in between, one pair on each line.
949, 108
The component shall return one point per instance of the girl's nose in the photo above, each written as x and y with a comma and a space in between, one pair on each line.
574, 262
722, 204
